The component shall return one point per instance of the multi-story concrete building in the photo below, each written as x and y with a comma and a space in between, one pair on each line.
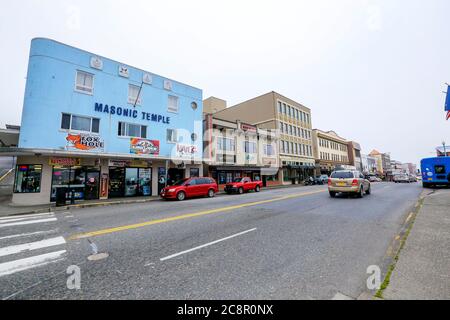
379, 161
369, 164
330, 151
292, 120
410, 168
98, 128
234, 150
383, 164
354, 155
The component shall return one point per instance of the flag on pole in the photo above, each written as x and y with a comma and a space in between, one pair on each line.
447, 100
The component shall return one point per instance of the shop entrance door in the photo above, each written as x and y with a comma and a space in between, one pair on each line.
116, 182
174, 175
92, 183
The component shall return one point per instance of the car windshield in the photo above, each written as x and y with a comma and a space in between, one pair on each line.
342, 175
180, 182
237, 180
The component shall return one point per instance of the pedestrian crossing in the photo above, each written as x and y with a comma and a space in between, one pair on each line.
29, 242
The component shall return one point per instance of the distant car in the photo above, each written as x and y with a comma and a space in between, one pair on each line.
191, 188
412, 178
373, 179
323, 178
401, 178
348, 181
241, 185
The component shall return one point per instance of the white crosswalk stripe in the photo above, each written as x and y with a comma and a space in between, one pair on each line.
11, 267
29, 249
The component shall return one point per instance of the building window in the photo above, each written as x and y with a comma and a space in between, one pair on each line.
134, 95
132, 130
268, 150
194, 105
280, 107
84, 82
249, 147
172, 136
225, 144
173, 104
79, 123
28, 179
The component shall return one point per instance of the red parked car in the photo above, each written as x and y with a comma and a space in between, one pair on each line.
191, 188
241, 185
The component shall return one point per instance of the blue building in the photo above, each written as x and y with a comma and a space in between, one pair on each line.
100, 128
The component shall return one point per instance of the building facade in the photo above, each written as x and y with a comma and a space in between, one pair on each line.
99, 128
293, 124
330, 151
369, 164
233, 149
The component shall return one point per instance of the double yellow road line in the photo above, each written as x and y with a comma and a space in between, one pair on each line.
186, 216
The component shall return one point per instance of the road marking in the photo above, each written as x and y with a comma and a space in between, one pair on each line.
22, 219
186, 216
21, 223
8, 268
26, 216
207, 244
28, 234
6, 174
31, 246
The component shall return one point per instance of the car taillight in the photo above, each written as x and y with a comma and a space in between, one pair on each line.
329, 182
355, 183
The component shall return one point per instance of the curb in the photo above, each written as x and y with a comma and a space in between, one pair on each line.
399, 241
112, 203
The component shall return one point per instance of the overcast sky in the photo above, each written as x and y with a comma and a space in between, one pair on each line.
372, 70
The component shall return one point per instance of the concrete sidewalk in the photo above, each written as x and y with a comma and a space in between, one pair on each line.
7, 209
423, 269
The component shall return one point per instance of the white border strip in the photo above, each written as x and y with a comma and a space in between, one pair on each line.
31, 246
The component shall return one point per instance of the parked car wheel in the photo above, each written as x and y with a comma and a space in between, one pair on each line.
369, 191
241, 190
257, 189
181, 196
211, 193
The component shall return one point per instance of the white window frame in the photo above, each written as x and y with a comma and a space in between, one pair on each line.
76, 130
127, 135
91, 92
175, 135
132, 100
168, 104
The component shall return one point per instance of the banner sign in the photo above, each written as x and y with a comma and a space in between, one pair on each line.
85, 142
144, 146
248, 127
186, 150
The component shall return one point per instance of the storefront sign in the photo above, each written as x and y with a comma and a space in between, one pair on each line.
248, 128
84, 142
186, 150
68, 162
144, 146
129, 163
131, 113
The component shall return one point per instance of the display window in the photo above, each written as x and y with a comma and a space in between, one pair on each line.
28, 179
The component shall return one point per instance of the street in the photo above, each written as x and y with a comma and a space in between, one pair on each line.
293, 243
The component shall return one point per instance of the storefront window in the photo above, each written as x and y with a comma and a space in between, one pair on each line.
82, 181
28, 179
194, 172
145, 182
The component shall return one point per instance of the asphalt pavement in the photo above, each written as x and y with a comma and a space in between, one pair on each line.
294, 243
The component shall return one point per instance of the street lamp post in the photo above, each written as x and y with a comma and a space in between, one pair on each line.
445, 151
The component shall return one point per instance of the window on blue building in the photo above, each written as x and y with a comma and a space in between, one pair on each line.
132, 130
79, 123
172, 136
134, 95
173, 104
84, 82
